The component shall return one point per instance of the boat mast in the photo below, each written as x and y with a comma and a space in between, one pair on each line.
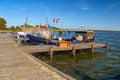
26, 18
26, 21
62, 24
47, 21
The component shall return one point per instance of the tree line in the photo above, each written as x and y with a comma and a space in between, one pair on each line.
3, 26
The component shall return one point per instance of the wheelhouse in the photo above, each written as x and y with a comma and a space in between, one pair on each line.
79, 35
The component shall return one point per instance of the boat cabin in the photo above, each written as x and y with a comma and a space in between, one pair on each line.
79, 36
84, 36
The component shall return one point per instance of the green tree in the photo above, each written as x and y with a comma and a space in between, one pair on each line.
55, 28
36, 26
12, 28
2, 24
30, 26
18, 28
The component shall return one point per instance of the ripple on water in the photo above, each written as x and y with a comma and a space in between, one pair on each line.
100, 66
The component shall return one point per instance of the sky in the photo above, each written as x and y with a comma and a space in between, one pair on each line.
93, 14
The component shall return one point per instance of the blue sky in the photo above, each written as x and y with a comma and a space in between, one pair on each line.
93, 14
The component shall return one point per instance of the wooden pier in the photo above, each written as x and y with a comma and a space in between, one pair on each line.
15, 64
50, 49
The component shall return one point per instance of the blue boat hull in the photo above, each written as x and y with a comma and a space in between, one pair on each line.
38, 40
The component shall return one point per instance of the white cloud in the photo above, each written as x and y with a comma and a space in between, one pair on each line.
112, 6
85, 8
83, 5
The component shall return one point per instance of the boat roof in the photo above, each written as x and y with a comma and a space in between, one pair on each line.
73, 30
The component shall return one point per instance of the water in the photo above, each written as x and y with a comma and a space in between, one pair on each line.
100, 66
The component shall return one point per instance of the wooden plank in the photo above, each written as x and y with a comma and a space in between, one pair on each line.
18, 65
45, 48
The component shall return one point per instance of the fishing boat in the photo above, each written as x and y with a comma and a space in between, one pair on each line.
21, 35
46, 37
40, 40
42, 36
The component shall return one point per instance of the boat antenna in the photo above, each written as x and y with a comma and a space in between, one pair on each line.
26, 18
62, 24
82, 26
47, 21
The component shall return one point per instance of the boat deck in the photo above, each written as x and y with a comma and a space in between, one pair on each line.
15, 64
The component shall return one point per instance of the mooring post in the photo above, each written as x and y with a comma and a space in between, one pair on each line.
106, 46
24, 40
73, 51
8, 32
92, 48
47, 41
51, 53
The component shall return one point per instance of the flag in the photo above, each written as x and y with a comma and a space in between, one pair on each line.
56, 20
49, 26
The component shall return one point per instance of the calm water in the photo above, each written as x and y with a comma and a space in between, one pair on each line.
100, 66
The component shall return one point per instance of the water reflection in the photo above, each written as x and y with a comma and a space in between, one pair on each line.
85, 66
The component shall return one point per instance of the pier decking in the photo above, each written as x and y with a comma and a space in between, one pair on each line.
50, 49
15, 64
46, 48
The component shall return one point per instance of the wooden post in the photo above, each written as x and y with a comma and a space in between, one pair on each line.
8, 32
73, 51
24, 40
92, 48
106, 46
51, 53
47, 41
